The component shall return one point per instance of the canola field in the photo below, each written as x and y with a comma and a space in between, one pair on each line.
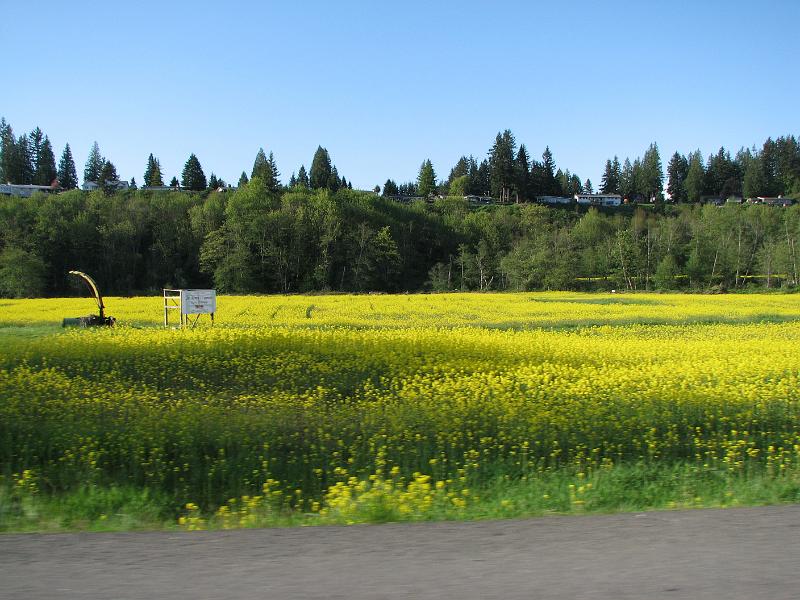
325, 405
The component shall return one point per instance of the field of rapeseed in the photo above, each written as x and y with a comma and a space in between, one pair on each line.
358, 408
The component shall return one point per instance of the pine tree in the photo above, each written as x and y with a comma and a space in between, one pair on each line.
550, 185
627, 180
35, 143
320, 169
174, 183
677, 169
611, 176
651, 185
24, 160
7, 150
243, 179
67, 174
133, 183
94, 163
693, 183
108, 177
272, 175
152, 175
260, 166
522, 169
213, 183
587, 187
460, 169
501, 165
333, 181
390, 188
302, 177
192, 177
426, 179
292, 180
46, 172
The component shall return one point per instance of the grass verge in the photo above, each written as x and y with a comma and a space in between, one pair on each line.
620, 488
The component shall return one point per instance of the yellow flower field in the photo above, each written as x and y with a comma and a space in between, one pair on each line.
321, 400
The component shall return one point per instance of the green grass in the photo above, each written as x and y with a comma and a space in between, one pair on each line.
622, 488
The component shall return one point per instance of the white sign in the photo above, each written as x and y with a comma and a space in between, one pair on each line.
196, 302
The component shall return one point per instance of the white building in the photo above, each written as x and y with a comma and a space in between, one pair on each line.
117, 184
599, 199
554, 199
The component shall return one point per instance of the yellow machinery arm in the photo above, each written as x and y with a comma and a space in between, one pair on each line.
94, 289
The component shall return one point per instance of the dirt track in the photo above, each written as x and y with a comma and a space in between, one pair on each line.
731, 554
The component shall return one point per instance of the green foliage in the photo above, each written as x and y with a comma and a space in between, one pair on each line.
320, 173
192, 177
46, 172
94, 164
426, 179
21, 273
67, 175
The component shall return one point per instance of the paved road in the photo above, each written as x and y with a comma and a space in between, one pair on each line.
731, 554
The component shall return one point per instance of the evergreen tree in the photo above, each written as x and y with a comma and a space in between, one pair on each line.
213, 182
333, 180
152, 175
755, 183
693, 184
108, 177
25, 160
133, 183
320, 169
677, 169
292, 181
67, 174
610, 184
260, 166
302, 177
459, 170
502, 172
192, 177
94, 164
46, 172
174, 183
35, 143
549, 184
7, 151
651, 184
426, 180
272, 175
243, 179
627, 180
390, 188
587, 187
522, 171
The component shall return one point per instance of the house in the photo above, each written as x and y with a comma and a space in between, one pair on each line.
599, 199
116, 184
554, 200
25, 191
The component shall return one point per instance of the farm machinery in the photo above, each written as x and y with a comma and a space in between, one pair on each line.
99, 320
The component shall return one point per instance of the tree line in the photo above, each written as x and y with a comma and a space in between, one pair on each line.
257, 239
507, 173
510, 174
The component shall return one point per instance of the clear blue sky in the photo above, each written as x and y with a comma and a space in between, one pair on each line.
386, 85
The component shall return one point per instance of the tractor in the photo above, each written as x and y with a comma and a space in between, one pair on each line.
99, 320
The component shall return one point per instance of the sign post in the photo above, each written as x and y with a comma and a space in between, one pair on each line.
190, 302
